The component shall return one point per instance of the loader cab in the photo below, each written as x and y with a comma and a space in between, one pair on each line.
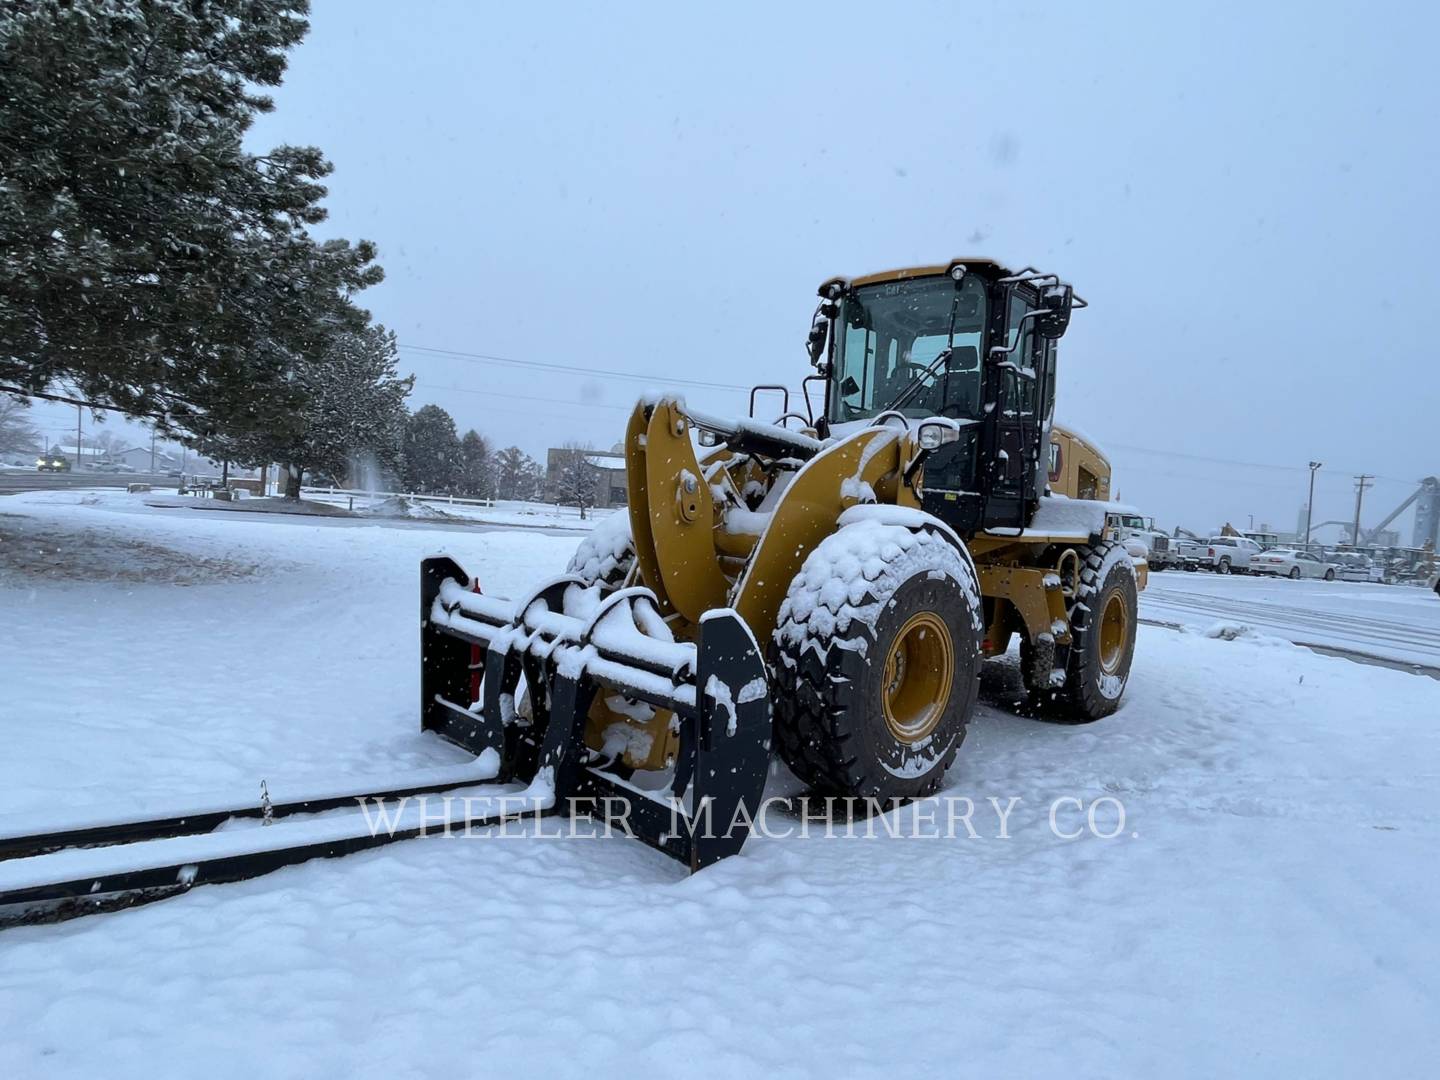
969, 341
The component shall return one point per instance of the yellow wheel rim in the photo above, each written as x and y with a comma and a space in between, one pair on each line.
1114, 632
919, 671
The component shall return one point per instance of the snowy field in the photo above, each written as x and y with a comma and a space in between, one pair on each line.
1267, 907
1399, 622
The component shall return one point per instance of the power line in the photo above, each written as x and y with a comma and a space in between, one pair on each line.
1231, 461
526, 397
601, 373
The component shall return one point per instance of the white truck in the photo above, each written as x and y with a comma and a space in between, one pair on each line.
1229, 554
1131, 527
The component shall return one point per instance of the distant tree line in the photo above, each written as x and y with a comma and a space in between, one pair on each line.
438, 459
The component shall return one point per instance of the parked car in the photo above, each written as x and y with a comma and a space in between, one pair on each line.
52, 463
1231, 554
1352, 566
1286, 562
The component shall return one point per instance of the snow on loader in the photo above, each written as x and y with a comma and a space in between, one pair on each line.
824, 587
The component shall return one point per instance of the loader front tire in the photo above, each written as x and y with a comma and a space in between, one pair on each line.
876, 656
607, 554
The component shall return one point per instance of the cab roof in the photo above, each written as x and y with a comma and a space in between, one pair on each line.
904, 273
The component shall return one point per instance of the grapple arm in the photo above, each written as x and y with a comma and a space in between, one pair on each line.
569, 643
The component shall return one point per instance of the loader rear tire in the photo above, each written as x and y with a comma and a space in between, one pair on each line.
607, 554
1103, 621
876, 656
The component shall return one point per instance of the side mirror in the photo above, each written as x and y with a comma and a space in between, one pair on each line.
1055, 304
820, 330
815, 340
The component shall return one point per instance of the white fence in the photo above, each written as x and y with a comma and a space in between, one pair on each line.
451, 499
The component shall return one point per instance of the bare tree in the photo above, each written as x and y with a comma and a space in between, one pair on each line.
112, 445
17, 434
571, 478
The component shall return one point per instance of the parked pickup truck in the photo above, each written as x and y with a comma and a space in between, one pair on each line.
1189, 554
1230, 554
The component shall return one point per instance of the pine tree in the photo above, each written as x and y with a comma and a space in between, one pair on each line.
517, 476
477, 479
147, 259
432, 451
354, 405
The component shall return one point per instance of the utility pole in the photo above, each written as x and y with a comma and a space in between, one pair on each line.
152, 449
1310, 502
79, 413
1362, 482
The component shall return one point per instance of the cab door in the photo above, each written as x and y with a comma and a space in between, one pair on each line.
1017, 417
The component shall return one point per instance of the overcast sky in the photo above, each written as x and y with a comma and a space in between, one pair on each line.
1247, 197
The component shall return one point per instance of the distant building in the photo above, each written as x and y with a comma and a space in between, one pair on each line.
610, 488
138, 458
609, 468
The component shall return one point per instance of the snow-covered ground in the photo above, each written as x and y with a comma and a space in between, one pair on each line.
1267, 908
1396, 621
502, 512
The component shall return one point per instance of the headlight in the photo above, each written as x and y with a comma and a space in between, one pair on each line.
936, 434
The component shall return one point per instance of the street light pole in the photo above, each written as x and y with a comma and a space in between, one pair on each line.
1310, 503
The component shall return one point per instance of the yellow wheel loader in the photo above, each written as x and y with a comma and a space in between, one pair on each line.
825, 586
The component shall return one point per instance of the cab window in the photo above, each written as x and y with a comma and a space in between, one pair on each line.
891, 332
1021, 381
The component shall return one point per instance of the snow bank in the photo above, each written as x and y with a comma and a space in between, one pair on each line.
403, 507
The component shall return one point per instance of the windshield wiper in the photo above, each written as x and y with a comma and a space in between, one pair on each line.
910, 391
944, 357
914, 388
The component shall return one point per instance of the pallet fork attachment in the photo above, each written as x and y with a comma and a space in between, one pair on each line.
569, 643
